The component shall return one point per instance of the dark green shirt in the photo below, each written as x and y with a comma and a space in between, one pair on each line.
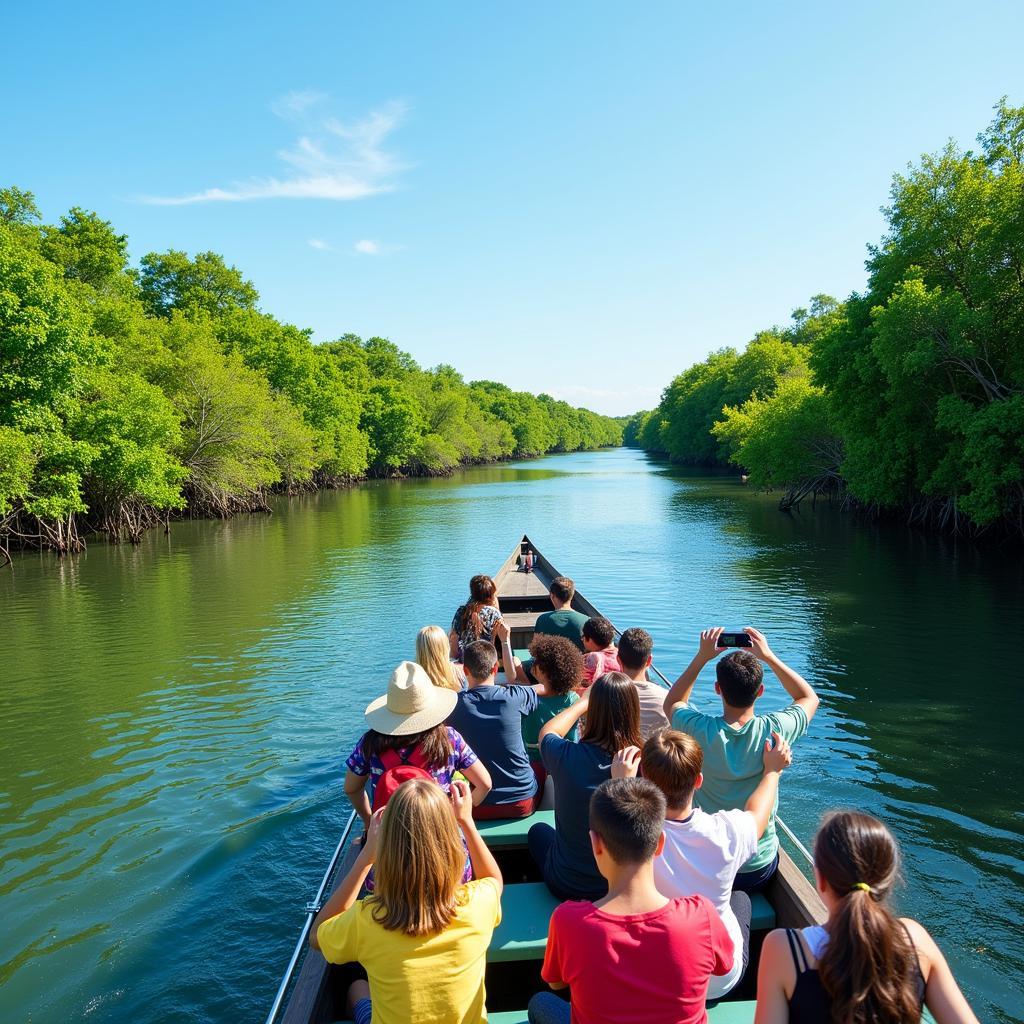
564, 622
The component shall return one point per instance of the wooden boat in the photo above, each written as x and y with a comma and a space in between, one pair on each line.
517, 949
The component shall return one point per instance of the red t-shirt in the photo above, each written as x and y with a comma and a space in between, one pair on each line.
640, 968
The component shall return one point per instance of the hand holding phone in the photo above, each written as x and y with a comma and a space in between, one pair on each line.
734, 640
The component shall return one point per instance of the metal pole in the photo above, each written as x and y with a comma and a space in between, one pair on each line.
778, 820
312, 909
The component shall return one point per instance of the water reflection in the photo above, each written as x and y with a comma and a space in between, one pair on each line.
174, 716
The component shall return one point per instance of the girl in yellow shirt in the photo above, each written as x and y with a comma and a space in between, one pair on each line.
422, 936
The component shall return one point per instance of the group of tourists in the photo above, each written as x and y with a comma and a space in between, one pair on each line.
664, 825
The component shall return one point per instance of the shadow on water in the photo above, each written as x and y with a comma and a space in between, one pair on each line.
174, 717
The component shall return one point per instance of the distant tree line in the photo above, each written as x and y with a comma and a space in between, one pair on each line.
908, 397
128, 396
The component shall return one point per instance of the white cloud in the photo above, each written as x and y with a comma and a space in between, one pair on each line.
292, 105
368, 246
334, 160
319, 243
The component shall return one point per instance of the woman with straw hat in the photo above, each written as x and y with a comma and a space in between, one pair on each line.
408, 721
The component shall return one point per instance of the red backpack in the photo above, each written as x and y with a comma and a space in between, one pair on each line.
398, 769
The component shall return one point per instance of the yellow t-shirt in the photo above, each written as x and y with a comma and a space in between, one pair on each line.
437, 979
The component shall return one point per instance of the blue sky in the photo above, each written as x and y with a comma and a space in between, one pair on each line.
582, 198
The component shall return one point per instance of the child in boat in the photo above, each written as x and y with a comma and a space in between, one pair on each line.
557, 664
490, 719
864, 965
476, 619
733, 741
563, 621
636, 647
601, 653
563, 853
703, 852
635, 954
408, 721
434, 655
422, 936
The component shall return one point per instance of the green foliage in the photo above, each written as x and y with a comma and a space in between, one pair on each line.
126, 395
916, 387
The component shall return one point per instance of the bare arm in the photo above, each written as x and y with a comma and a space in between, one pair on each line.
795, 685
345, 895
942, 994
480, 778
774, 972
355, 790
484, 864
517, 673
762, 800
563, 722
680, 691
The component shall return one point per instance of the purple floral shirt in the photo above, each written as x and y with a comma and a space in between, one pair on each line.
461, 758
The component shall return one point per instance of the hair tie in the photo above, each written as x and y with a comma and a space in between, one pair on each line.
861, 885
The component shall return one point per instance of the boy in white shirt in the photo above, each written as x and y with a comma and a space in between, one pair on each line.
703, 852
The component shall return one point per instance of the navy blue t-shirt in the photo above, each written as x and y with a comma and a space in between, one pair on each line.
578, 769
490, 719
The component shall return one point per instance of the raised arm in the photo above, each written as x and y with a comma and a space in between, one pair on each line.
795, 685
762, 800
345, 895
563, 722
679, 692
484, 864
518, 673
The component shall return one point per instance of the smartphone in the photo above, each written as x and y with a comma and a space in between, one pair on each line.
734, 640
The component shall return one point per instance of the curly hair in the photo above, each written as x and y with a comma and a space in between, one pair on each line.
560, 661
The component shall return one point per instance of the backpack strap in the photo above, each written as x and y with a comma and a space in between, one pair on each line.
796, 948
393, 758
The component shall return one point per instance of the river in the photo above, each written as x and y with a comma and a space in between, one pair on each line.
174, 716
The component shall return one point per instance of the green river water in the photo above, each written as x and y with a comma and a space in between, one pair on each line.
174, 717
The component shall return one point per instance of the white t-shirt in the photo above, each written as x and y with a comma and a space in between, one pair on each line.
702, 855
652, 707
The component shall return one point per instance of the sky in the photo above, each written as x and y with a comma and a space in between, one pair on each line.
582, 198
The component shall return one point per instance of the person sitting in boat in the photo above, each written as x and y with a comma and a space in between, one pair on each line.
557, 664
733, 741
563, 853
422, 936
407, 726
703, 852
434, 655
864, 965
636, 647
601, 653
476, 619
635, 954
489, 717
563, 621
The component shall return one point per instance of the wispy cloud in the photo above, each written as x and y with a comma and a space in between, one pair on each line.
292, 105
367, 246
319, 243
332, 159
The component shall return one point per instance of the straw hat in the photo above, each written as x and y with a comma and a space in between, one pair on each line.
412, 704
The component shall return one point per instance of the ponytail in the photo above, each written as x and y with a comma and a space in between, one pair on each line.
868, 967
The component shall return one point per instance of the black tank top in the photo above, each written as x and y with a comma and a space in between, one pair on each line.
810, 1003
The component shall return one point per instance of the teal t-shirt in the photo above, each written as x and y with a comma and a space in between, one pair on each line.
734, 763
565, 622
547, 708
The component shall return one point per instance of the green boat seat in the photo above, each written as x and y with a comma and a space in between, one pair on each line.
739, 1012
526, 909
500, 835
522, 653
508, 1017
762, 913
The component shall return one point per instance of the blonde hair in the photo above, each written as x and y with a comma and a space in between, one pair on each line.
420, 859
432, 653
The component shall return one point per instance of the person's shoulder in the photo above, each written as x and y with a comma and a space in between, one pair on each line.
482, 888
572, 912
686, 718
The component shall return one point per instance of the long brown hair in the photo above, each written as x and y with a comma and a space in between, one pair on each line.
613, 716
481, 593
869, 965
434, 746
420, 859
